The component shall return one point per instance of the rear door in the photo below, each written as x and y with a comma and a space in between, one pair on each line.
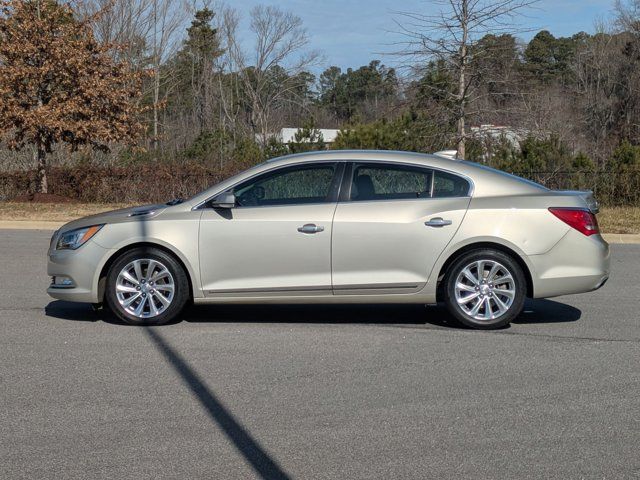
391, 224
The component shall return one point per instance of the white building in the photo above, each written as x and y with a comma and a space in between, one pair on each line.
288, 135
495, 132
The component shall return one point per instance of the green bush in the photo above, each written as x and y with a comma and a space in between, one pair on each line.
220, 147
626, 156
410, 132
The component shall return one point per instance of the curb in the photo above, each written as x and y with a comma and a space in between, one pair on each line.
628, 238
624, 238
29, 225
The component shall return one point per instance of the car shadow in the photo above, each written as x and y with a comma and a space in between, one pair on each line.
547, 311
76, 312
536, 311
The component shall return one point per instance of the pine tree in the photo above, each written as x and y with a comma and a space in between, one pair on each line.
195, 66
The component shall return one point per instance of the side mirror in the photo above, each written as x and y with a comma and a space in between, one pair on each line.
224, 200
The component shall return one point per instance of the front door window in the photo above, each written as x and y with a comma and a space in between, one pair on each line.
288, 186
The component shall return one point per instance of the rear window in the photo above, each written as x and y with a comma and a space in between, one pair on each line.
505, 174
449, 185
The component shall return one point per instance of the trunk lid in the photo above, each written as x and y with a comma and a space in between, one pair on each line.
586, 195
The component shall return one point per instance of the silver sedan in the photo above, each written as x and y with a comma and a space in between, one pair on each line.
339, 227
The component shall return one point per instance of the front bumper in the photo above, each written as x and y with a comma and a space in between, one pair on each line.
82, 266
576, 264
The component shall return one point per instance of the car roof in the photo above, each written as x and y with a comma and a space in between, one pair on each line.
389, 156
351, 155
486, 181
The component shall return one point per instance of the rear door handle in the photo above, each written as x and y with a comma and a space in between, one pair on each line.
438, 222
310, 228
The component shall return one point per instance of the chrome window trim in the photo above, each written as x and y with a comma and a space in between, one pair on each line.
283, 206
337, 163
346, 198
347, 170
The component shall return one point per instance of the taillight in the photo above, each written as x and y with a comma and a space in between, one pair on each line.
582, 220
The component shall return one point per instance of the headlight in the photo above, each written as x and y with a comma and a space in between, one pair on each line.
76, 238
53, 237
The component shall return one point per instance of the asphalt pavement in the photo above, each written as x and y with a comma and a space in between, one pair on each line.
340, 392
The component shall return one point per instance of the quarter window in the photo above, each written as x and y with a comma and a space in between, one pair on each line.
449, 185
389, 182
289, 186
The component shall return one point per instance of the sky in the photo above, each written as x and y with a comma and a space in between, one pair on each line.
350, 33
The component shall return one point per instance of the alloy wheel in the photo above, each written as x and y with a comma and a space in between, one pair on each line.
145, 288
485, 290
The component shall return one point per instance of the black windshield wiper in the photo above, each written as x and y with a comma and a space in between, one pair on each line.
175, 201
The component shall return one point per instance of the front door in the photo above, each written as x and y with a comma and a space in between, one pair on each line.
277, 240
392, 226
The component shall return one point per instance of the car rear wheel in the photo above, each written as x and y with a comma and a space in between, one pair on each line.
146, 286
485, 289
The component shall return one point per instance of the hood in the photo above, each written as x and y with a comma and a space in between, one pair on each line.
116, 216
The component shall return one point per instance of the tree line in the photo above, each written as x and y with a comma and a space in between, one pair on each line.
125, 82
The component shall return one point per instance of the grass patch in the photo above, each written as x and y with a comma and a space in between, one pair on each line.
619, 219
611, 219
53, 212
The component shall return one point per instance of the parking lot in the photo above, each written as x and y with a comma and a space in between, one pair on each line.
317, 392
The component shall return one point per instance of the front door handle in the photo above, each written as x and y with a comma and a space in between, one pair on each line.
311, 228
437, 222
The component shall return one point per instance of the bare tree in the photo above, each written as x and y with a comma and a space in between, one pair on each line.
270, 75
228, 84
151, 32
166, 18
628, 15
121, 22
628, 19
451, 37
597, 84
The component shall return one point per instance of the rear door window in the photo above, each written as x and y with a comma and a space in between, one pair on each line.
390, 182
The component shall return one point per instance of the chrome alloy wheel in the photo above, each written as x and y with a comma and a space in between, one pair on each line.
145, 288
485, 290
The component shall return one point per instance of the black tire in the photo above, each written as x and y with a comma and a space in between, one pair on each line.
519, 284
180, 287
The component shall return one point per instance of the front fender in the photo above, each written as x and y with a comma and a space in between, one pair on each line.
180, 237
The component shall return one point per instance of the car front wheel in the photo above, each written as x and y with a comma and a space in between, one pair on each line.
146, 286
485, 289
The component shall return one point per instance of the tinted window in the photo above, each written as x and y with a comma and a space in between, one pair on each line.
448, 185
388, 182
288, 186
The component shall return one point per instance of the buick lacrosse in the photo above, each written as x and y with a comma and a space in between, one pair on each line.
339, 227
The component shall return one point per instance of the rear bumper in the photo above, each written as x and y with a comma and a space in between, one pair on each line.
576, 264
